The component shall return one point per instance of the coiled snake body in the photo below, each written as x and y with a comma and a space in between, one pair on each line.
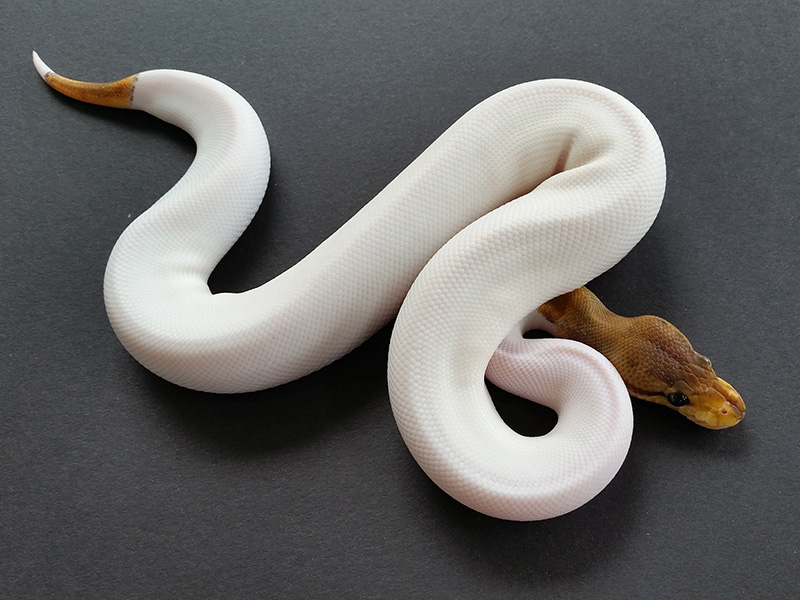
585, 171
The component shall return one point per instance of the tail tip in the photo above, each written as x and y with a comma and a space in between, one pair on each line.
41, 67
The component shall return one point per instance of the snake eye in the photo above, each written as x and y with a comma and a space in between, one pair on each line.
678, 399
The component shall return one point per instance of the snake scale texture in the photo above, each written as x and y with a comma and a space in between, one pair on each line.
529, 195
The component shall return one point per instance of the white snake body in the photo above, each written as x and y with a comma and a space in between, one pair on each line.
585, 171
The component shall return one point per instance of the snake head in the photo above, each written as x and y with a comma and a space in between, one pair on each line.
678, 377
659, 364
704, 398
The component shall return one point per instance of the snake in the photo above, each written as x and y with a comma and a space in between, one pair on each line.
490, 233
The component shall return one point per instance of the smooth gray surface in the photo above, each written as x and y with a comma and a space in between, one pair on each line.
116, 484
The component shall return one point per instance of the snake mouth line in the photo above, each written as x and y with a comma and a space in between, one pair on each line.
726, 415
721, 419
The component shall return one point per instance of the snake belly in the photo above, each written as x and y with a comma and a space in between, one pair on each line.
530, 194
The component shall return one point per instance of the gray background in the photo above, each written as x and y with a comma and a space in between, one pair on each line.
116, 484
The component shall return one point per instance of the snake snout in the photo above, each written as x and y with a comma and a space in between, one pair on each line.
718, 406
733, 407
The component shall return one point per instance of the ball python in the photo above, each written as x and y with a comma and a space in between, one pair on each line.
528, 196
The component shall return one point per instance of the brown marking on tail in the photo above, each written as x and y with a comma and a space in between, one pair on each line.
118, 94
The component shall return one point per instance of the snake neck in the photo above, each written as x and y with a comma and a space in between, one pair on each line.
580, 315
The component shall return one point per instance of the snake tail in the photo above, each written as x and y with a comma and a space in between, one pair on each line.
117, 94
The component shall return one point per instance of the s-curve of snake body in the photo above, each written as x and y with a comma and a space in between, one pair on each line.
524, 199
